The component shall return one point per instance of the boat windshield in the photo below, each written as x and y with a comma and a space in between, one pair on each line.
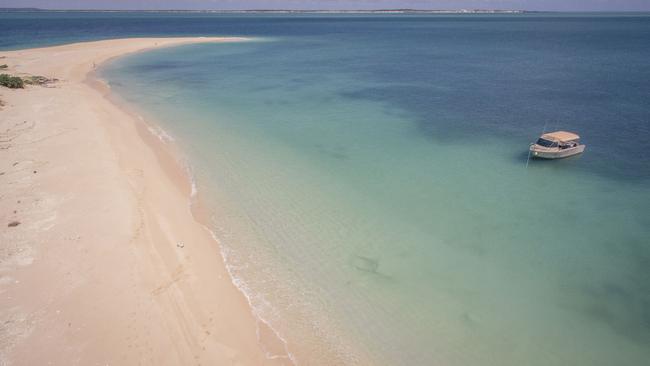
546, 143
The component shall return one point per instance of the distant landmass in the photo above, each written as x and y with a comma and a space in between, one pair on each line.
21, 9
289, 11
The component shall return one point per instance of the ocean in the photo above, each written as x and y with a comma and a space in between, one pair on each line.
368, 181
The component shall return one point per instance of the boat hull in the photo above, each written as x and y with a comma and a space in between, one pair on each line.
556, 153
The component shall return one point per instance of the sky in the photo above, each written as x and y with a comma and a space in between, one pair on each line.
557, 5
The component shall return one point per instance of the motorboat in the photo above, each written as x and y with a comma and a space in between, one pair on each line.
557, 145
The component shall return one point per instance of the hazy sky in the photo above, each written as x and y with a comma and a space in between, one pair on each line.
569, 5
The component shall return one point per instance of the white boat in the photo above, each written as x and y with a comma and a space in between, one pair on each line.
556, 145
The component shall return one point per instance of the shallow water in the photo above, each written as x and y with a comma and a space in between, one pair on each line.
367, 179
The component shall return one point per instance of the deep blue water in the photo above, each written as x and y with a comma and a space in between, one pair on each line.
592, 74
368, 175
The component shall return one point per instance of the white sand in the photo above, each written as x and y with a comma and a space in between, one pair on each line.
93, 274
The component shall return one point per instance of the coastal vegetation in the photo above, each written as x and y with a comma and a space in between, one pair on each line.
37, 80
12, 82
16, 82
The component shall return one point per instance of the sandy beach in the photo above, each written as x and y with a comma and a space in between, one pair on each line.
101, 259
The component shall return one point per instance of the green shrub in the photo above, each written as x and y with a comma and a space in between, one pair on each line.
3, 66
12, 82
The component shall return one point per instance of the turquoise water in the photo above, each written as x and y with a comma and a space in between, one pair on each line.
370, 185
367, 178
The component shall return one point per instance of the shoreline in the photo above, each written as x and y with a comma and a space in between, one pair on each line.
142, 278
170, 155
276, 343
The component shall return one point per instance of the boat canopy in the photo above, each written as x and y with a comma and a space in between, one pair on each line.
561, 136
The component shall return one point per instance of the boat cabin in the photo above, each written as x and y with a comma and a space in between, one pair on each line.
561, 139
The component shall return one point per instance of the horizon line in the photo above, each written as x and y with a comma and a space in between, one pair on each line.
323, 11
403, 10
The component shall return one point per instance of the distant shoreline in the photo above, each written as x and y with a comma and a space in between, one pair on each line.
324, 11
283, 11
